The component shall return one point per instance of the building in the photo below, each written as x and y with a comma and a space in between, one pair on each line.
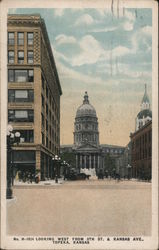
86, 139
123, 163
145, 113
33, 94
142, 152
141, 141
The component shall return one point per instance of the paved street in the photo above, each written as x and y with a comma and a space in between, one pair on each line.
91, 207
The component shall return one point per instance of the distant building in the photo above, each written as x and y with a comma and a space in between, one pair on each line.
33, 94
112, 150
124, 163
142, 152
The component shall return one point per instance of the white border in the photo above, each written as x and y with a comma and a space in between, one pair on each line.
149, 242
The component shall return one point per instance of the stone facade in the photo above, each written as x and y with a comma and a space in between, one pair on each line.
32, 72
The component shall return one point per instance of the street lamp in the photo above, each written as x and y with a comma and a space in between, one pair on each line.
56, 159
12, 138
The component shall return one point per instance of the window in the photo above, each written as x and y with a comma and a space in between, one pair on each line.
46, 125
46, 91
20, 115
43, 138
20, 38
30, 57
26, 135
42, 120
30, 38
42, 100
46, 141
20, 57
11, 38
20, 95
46, 109
11, 56
20, 75
43, 84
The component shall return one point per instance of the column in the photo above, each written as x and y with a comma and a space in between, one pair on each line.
98, 161
85, 161
80, 161
90, 161
94, 161
76, 161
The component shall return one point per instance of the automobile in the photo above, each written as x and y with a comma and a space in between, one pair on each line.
73, 175
82, 176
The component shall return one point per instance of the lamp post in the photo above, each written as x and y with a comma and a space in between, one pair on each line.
12, 138
129, 160
56, 160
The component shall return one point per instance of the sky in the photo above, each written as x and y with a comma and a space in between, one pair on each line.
106, 53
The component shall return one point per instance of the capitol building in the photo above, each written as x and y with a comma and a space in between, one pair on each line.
86, 154
86, 139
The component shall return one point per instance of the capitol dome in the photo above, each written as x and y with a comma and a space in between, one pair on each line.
86, 109
86, 124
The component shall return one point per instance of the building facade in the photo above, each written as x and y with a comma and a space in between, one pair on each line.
141, 142
33, 94
86, 139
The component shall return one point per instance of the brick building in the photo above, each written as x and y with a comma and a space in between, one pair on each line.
142, 152
33, 94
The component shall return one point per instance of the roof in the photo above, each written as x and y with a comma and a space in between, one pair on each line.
145, 97
144, 113
86, 109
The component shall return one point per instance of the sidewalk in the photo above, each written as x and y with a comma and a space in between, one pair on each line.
41, 183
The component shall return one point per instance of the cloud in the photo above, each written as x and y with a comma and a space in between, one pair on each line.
68, 74
91, 51
147, 30
120, 51
84, 20
103, 29
129, 15
140, 37
128, 26
63, 39
128, 20
59, 12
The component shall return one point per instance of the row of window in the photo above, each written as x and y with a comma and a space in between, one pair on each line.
143, 139
20, 75
86, 126
26, 135
18, 95
11, 57
20, 115
144, 154
20, 38
46, 142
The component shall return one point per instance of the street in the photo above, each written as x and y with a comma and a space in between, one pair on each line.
90, 207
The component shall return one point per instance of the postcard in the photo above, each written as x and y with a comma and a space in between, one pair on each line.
79, 124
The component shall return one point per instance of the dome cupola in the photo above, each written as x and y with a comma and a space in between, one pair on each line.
86, 109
